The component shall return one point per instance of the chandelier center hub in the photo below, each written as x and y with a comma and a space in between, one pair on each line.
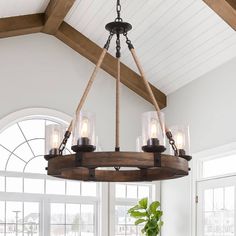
118, 27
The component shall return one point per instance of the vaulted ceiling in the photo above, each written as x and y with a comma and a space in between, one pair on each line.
177, 40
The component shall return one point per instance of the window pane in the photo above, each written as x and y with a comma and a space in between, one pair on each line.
33, 128
143, 191
73, 214
36, 165
87, 230
131, 191
57, 213
2, 212
11, 137
2, 229
73, 230
4, 154
120, 216
229, 198
55, 187
218, 199
24, 152
14, 229
73, 188
87, 214
131, 230
31, 214
15, 164
89, 189
2, 184
38, 146
219, 166
120, 190
208, 199
31, 229
124, 223
14, 212
219, 212
14, 184
57, 230
34, 186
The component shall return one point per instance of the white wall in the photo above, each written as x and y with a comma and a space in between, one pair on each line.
208, 105
40, 71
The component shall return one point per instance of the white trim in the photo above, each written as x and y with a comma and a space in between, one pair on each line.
14, 117
198, 158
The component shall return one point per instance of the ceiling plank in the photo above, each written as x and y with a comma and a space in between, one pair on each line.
55, 14
20, 25
226, 9
92, 51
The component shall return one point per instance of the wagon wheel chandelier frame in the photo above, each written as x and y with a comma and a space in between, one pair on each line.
87, 165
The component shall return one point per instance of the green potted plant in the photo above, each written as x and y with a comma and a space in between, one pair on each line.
149, 215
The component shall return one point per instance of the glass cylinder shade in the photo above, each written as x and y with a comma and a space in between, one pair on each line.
152, 129
54, 134
182, 139
84, 129
139, 144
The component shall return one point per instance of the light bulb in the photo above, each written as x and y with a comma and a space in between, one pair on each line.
55, 139
85, 127
180, 140
153, 129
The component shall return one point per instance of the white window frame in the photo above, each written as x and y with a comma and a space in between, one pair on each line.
196, 175
212, 183
44, 199
105, 213
155, 195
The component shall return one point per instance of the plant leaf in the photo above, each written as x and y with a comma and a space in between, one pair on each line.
138, 214
139, 221
143, 203
136, 207
158, 214
153, 207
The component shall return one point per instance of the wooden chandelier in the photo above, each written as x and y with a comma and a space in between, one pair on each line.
118, 166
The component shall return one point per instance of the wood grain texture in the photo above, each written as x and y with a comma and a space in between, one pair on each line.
69, 167
21, 25
226, 9
121, 176
55, 14
92, 51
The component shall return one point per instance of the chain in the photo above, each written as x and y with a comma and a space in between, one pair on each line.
128, 41
118, 55
118, 10
107, 44
172, 142
64, 142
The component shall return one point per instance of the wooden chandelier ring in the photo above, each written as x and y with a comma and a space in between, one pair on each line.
69, 167
151, 174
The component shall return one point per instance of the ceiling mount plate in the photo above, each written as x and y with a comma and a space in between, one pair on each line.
118, 27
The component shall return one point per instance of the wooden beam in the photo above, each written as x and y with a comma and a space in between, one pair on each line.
91, 51
55, 14
20, 25
226, 9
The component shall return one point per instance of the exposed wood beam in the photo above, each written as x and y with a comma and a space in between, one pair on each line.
91, 51
226, 9
55, 14
20, 25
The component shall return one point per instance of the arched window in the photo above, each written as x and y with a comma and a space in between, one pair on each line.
32, 203
22, 144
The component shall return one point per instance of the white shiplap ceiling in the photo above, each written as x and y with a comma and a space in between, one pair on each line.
21, 7
177, 40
